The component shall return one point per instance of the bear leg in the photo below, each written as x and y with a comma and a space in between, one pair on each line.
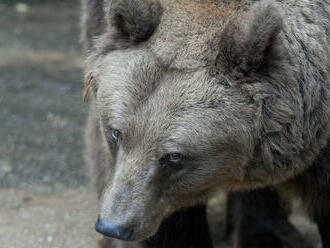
313, 187
186, 228
258, 218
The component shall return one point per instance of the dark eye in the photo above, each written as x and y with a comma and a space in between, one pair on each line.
174, 158
115, 134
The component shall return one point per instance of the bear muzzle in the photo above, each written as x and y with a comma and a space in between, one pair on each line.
113, 230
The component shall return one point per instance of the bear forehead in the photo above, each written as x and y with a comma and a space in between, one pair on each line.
189, 31
135, 87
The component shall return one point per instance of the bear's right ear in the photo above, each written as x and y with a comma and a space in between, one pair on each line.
250, 43
133, 21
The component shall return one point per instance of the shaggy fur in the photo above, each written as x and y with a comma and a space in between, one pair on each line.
240, 88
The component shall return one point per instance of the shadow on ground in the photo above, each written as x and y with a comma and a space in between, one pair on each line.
45, 199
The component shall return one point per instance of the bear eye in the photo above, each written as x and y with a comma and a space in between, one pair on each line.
115, 134
174, 158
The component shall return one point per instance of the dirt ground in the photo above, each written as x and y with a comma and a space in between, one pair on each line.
45, 197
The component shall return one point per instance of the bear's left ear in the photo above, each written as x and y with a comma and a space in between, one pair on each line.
250, 43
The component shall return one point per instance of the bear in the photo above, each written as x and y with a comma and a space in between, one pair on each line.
191, 97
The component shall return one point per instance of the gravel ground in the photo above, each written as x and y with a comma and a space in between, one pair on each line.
60, 220
45, 199
41, 114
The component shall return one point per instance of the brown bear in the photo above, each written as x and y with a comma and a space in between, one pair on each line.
191, 97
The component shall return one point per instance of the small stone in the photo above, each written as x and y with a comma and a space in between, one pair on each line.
5, 168
21, 7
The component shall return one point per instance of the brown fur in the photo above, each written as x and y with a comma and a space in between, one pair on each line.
240, 88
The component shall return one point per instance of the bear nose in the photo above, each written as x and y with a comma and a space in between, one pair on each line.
113, 230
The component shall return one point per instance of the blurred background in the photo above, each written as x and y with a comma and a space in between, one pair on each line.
42, 115
45, 196
45, 200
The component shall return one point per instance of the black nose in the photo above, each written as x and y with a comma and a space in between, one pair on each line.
112, 230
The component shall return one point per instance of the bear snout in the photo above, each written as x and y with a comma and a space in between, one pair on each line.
114, 230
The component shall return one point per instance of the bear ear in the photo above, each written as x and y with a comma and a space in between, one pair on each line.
133, 21
250, 42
